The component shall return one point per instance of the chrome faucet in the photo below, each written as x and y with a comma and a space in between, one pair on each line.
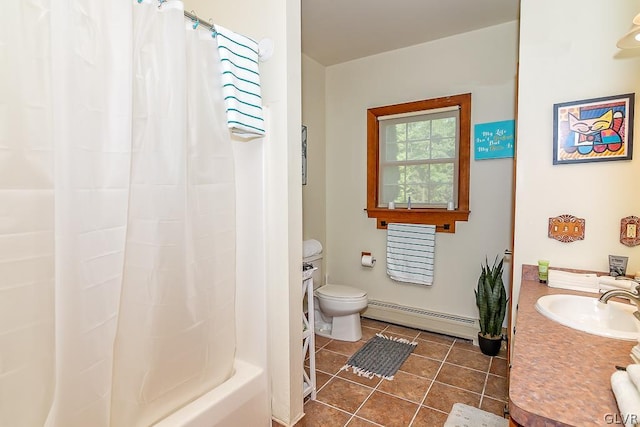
635, 298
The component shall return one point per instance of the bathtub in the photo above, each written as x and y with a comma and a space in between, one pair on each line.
240, 401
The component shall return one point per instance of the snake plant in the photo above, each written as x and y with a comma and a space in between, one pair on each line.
491, 299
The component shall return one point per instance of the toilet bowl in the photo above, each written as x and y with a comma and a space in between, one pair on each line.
336, 307
338, 312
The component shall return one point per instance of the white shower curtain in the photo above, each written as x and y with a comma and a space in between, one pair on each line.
117, 214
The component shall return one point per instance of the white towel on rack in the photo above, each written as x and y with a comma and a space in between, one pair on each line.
240, 83
410, 252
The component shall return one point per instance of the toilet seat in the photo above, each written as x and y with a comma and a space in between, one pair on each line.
340, 293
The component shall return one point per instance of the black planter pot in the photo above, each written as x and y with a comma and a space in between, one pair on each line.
489, 346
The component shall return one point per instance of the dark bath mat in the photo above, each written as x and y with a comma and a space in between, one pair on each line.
380, 356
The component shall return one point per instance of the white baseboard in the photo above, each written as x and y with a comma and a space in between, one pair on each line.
442, 323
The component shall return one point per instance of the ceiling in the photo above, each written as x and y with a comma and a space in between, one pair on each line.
335, 31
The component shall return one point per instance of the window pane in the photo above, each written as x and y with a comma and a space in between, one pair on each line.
445, 127
418, 150
418, 134
417, 174
441, 194
417, 183
391, 193
419, 193
394, 146
390, 190
395, 152
441, 188
397, 132
392, 175
401, 132
419, 130
426, 184
443, 148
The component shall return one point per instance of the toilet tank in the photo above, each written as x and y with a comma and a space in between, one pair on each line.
318, 276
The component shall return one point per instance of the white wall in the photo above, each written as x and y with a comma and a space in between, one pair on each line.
481, 62
269, 303
313, 116
567, 53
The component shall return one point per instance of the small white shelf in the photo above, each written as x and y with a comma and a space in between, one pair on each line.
308, 337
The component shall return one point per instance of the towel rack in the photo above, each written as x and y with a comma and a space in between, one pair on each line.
438, 227
443, 219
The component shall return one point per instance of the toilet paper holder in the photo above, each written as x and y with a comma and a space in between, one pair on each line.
367, 260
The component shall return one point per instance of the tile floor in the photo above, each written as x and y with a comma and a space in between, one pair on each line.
440, 372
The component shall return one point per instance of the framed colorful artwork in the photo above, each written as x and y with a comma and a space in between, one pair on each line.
593, 130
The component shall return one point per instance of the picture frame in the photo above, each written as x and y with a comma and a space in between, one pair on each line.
304, 155
593, 130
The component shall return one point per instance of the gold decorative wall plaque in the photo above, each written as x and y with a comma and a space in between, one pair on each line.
566, 228
630, 231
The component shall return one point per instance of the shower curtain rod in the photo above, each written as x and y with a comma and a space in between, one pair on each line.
196, 19
265, 47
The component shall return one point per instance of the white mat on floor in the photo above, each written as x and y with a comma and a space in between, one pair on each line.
462, 415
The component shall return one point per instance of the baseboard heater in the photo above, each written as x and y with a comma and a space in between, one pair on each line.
442, 323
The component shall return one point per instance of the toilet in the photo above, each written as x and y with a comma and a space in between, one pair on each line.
337, 307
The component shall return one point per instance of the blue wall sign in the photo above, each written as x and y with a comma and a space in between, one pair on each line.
494, 140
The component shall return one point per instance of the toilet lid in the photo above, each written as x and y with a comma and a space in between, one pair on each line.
340, 291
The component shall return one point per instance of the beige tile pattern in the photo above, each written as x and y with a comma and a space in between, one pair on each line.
441, 371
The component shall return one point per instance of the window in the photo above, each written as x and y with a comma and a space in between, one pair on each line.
418, 160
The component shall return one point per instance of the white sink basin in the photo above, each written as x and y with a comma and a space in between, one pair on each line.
612, 320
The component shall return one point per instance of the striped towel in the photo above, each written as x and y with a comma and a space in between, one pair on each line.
410, 252
240, 83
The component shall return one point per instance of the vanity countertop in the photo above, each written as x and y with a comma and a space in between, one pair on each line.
560, 376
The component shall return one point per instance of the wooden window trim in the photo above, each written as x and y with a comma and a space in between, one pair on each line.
443, 219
